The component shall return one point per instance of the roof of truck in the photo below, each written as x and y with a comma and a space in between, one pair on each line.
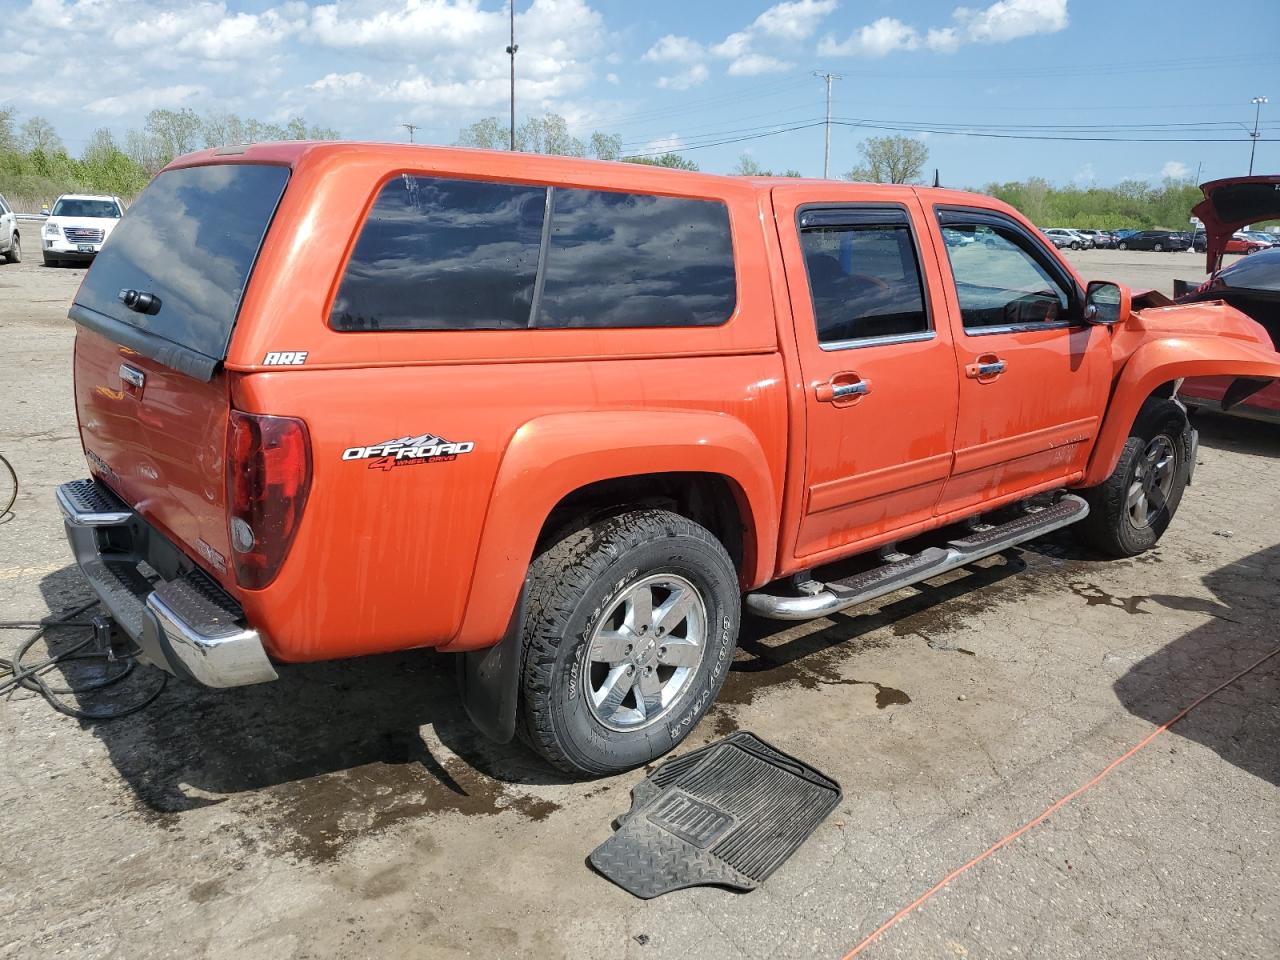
533, 166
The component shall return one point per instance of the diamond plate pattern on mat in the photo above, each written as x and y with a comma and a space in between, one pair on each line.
727, 815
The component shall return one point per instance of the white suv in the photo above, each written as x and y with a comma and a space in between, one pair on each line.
10, 243
77, 227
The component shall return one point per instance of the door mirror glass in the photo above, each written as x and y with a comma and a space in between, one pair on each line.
1106, 303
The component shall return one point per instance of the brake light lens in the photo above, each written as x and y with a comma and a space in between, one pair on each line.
268, 479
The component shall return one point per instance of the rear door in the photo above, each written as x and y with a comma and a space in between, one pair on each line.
6, 225
879, 376
1034, 377
152, 398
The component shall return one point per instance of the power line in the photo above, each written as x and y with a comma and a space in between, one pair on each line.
411, 127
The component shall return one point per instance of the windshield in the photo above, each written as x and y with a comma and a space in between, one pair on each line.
1258, 272
190, 240
99, 209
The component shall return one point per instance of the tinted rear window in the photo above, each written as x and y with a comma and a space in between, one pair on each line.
190, 239
446, 254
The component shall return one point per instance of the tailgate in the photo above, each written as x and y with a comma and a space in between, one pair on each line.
155, 314
160, 446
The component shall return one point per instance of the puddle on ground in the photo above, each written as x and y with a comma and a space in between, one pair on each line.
316, 818
1095, 596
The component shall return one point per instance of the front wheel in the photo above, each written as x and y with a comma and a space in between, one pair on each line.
1158, 247
630, 628
15, 250
1123, 246
1132, 508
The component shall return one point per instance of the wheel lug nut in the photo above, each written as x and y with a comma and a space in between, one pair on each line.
628, 649
662, 651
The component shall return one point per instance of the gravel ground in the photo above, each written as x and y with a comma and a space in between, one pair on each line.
349, 810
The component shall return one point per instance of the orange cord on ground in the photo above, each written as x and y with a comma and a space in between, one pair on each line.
1048, 811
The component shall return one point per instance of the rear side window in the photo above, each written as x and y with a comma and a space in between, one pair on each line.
636, 260
444, 255
447, 254
863, 274
190, 240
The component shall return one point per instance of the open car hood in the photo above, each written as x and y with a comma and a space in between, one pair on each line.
1231, 204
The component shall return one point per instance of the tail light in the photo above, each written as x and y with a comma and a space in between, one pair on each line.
268, 479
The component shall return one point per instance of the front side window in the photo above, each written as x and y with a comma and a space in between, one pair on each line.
863, 275
999, 280
447, 254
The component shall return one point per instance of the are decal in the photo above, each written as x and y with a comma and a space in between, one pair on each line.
285, 358
409, 451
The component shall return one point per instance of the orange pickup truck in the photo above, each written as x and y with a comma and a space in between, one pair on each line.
561, 416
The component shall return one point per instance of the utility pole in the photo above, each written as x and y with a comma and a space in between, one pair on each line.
410, 127
1257, 109
511, 52
826, 154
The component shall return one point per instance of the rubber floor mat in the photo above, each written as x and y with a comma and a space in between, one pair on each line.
728, 814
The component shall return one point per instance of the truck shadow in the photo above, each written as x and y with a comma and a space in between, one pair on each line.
1242, 722
1238, 435
329, 739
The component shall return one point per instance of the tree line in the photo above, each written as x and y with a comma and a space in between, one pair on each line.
36, 167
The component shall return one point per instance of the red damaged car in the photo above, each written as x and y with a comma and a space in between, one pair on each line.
1251, 285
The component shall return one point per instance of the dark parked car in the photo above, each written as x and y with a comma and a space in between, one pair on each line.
1155, 240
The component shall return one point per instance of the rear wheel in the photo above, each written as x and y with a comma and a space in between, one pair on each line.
1132, 508
630, 630
1158, 247
1123, 246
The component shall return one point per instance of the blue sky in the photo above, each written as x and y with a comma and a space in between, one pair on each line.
712, 79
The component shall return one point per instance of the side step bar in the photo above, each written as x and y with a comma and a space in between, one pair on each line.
879, 581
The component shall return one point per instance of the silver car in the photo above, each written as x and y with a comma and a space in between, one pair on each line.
10, 241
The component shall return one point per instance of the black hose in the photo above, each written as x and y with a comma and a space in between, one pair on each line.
29, 676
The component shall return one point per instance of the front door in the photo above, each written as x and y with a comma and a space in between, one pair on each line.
1034, 377
878, 375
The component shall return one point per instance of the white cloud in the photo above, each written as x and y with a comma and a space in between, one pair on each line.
1012, 19
695, 75
1085, 176
796, 20
672, 48
1000, 22
671, 143
877, 39
141, 101
1175, 169
613, 79
734, 45
753, 64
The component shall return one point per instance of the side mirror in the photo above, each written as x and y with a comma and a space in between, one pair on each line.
1107, 303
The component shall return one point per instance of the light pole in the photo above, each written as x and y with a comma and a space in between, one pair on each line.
511, 52
826, 155
1257, 110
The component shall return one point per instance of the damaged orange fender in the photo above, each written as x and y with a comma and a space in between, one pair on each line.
1225, 343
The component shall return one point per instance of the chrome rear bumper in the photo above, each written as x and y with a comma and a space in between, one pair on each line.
186, 625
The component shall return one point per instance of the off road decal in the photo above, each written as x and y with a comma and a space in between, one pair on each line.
409, 452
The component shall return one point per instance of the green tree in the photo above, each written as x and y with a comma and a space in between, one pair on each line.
672, 160
487, 134
895, 159
176, 131
8, 139
606, 146
748, 167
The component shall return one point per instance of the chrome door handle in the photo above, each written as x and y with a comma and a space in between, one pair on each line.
990, 369
842, 390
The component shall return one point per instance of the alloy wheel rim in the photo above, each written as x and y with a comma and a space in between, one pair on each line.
1152, 480
644, 652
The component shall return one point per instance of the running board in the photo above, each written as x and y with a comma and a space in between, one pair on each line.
879, 581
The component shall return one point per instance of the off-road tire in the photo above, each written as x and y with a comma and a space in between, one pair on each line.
1110, 528
15, 250
573, 584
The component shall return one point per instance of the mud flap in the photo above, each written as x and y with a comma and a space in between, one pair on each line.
489, 680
